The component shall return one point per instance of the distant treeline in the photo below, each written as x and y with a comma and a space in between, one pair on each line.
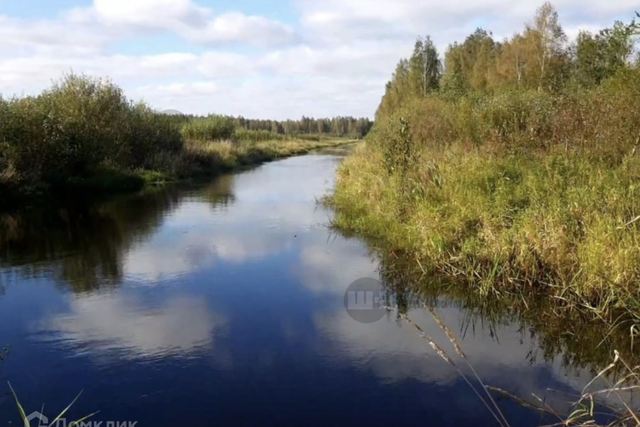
214, 127
338, 126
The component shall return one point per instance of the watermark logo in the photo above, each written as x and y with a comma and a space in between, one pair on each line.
43, 421
365, 300
172, 112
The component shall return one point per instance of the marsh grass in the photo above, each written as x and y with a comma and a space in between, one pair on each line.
211, 128
565, 335
205, 157
504, 224
484, 396
590, 404
259, 136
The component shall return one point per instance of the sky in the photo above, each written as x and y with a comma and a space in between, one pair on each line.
274, 59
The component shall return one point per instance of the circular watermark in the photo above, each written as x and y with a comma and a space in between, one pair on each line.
172, 112
365, 300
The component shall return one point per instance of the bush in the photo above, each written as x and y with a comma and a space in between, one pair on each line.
78, 128
212, 128
600, 123
257, 135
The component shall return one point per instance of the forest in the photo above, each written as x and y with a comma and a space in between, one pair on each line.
540, 58
511, 166
214, 127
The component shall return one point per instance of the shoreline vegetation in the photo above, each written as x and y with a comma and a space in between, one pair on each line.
83, 137
511, 168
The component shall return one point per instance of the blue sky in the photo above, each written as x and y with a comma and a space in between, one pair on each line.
267, 59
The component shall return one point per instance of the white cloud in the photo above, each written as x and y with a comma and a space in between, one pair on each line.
236, 27
271, 98
121, 326
216, 64
53, 37
365, 59
189, 21
152, 14
335, 60
409, 18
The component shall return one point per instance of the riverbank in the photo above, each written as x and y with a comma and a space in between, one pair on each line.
198, 160
84, 137
505, 188
563, 227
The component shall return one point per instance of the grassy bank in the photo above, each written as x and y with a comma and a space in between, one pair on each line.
84, 136
207, 157
508, 189
499, 222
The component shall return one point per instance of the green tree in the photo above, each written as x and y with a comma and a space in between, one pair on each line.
425, 67
454, 81
600, 56
548, 39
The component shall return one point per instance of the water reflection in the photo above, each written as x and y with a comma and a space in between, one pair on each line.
81, 246
84, 246
567, 335
500, 348
229, 297
124, 326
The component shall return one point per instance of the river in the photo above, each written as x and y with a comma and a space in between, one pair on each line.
223, 304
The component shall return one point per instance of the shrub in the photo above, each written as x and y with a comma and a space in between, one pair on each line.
211, 128
257, 135
77, 128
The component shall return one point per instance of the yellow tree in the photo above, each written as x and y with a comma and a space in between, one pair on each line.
515, 63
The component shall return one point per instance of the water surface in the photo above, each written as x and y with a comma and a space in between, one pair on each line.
222, 304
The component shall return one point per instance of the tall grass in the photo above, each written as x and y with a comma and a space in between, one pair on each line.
56, 420
509, 192
210, 128
205, 157
259, 136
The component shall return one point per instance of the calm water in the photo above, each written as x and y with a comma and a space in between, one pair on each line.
223, 305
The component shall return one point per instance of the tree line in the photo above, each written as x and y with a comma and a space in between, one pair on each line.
538, 58
225, 126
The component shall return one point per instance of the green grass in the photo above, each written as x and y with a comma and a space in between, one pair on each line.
25, 420
207, 157
561, 225
510, 192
